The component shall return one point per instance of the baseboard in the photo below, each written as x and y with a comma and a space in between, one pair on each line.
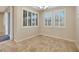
27, 38
58, 37
48, 36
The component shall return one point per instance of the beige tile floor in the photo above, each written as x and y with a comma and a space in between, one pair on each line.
39, 44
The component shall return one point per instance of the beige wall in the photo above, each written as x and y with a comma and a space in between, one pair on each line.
21, 33
77, 27
68, 32
1, 24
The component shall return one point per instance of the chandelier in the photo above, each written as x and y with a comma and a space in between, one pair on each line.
43, 7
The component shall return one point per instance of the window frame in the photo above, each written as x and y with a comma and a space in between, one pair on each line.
44, 19
28, 10
60, 10
23, 17
53, 18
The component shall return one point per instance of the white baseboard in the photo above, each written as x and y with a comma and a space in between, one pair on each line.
27, 38
58, 37
48, 36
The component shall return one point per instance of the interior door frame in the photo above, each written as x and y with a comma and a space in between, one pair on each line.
8, 24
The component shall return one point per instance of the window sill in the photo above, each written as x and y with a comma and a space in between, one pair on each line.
29, 26
54, 27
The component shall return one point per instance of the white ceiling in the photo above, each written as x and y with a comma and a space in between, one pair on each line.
36, 7
3, 8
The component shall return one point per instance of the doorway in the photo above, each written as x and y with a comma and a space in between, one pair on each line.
7, 25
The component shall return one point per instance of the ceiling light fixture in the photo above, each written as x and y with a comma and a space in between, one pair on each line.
43, 7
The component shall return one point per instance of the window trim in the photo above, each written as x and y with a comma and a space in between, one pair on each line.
44, 19
60, 10
29, 10
53, 18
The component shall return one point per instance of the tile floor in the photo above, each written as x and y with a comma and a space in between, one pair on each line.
39, 44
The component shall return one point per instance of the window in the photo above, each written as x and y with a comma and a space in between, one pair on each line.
62, 18
59, 19
34, 19
54, 19
48, 18
30, 18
